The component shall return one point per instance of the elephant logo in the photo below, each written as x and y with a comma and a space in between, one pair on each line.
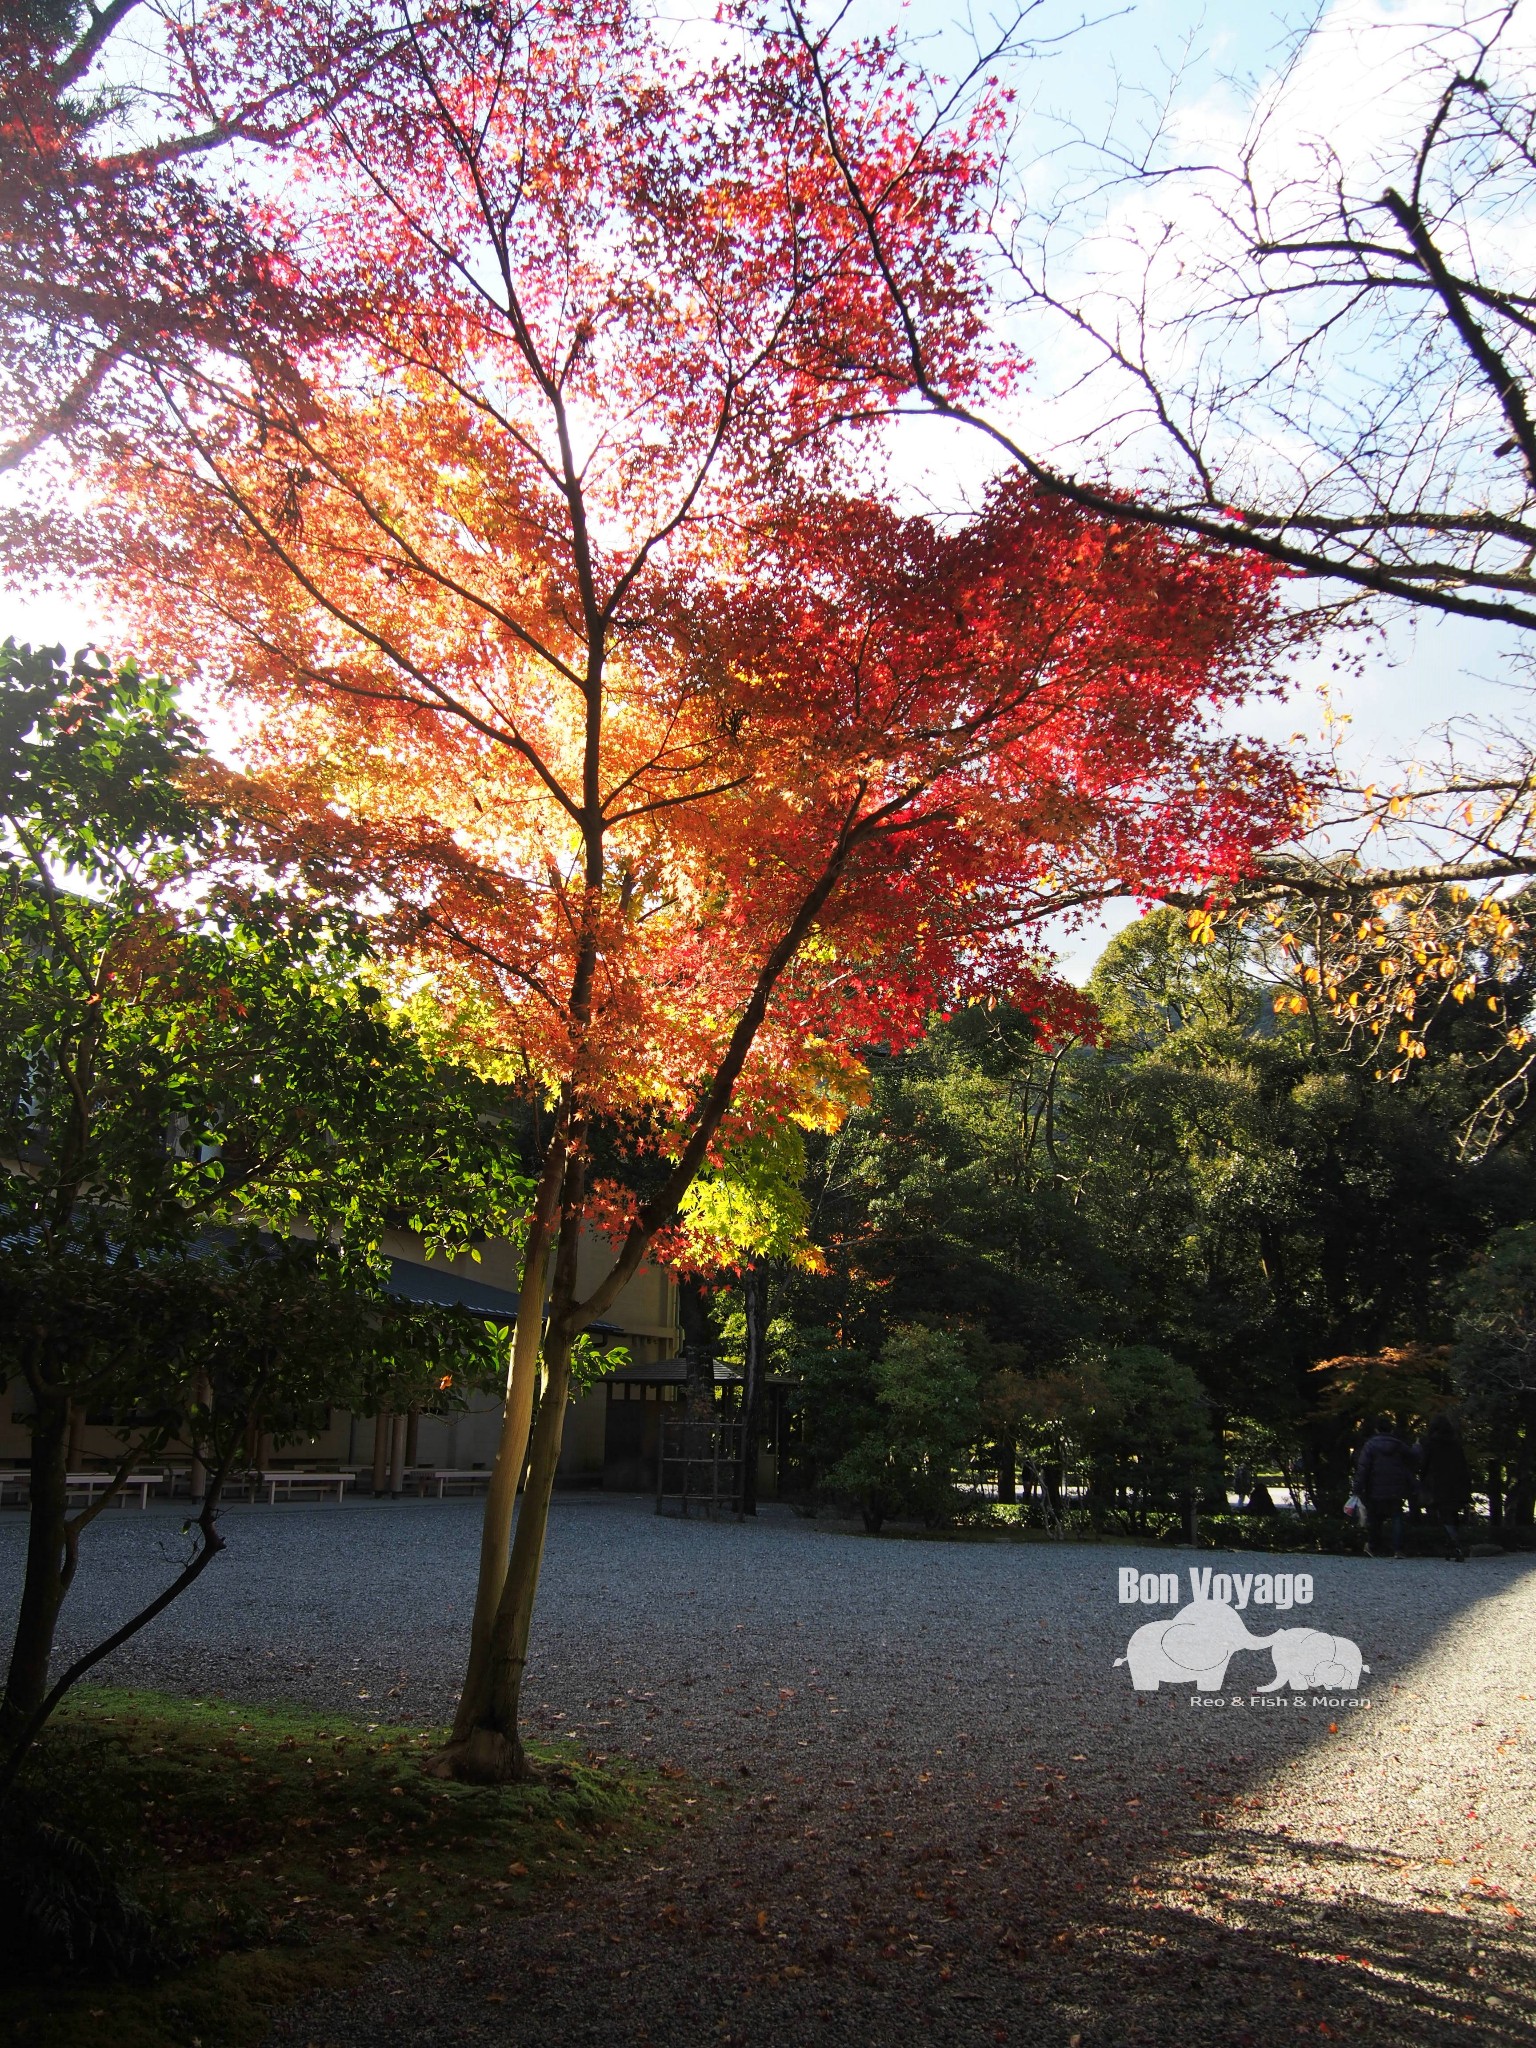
1198, 1642
1195, 1643
1307, 1656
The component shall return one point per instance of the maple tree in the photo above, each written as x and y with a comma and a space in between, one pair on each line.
129, 244
686, 763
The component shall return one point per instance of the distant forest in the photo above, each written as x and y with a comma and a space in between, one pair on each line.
1194, 1252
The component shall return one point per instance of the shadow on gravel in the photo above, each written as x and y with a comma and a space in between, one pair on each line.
1247, 1967
959, 1914
952, 1820
1100, 1970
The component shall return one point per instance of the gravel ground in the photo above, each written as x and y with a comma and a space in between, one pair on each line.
951, 1820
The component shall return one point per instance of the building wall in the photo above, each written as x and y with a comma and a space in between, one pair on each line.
646, 1313
646, 1310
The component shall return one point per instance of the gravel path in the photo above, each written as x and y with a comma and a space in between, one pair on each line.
952, 1819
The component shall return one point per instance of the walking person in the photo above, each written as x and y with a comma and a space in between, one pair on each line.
1385, 1474
1445, 1480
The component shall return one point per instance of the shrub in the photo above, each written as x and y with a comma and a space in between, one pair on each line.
62, 1913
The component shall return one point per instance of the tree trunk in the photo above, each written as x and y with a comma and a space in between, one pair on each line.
412, 1437
45, 1580
485, 1747
516, 1417
754, 1293
24, 1734
698, 1350
509, 1656
197, 1477
397, 1456
380, 1452
1007, 1472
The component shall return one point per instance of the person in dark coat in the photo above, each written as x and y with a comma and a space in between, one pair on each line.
1385, 1475
1445, 1480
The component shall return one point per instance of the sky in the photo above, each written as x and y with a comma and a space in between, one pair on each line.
1088, 65
1381, 695
1353, 93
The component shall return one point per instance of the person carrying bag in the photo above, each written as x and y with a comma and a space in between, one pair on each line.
1385, 1475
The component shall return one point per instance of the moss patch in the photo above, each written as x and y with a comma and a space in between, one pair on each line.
281, 1852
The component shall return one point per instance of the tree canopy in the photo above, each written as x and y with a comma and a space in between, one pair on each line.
564, 591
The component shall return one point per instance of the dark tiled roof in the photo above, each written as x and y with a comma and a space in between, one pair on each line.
412, 1282
671, 1372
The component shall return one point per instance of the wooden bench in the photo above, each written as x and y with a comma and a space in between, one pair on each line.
440, 1481
19, 1483
289, 1483
242, 1485
92, 1483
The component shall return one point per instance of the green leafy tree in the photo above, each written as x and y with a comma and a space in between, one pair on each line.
893, 1431
1145, 1431
1212, 1175
748, 1215
194, 1067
